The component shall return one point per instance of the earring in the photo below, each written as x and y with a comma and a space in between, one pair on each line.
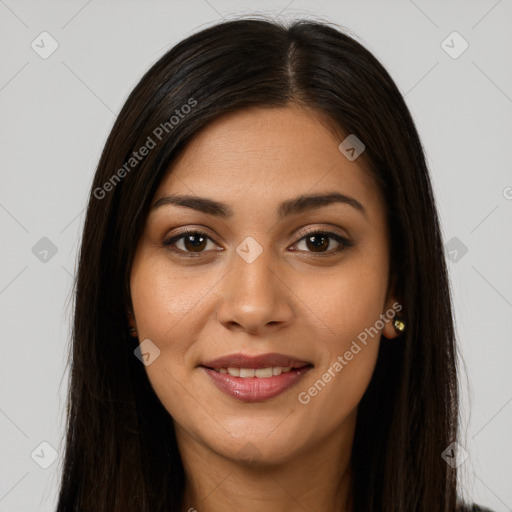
399, 325
132, 330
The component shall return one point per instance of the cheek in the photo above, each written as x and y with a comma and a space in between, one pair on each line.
347, 310
166, 303
342, 304
167, 308
331, 397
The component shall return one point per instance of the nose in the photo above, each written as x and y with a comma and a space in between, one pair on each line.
254, 297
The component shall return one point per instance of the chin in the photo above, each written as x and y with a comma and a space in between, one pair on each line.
252, 451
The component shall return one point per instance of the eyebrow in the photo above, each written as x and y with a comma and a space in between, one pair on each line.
286, 208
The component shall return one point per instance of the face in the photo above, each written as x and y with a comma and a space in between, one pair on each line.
263, 274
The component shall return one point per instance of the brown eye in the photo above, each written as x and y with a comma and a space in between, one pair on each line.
320, 242
317, 242
193, 243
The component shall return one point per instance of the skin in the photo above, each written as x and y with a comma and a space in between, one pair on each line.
292, 300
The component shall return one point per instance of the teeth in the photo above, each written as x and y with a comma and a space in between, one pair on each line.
261, 373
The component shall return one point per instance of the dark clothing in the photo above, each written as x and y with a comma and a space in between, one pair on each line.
473, 508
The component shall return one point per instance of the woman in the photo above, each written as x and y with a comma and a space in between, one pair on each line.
263, 317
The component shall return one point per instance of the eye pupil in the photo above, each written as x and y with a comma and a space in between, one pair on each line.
324, 244
198, 245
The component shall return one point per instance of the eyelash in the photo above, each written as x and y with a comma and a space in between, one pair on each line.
344, 242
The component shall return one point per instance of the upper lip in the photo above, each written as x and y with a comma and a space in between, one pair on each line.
261, 361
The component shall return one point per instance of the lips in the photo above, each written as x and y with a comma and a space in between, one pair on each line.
248, 379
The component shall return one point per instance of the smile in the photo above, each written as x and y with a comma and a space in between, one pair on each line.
255, 378
261, 373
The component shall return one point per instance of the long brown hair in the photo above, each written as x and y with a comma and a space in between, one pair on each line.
121, 452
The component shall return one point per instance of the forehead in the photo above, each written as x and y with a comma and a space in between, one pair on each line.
258, 156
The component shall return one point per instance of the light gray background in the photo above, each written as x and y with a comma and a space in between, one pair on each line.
55, 116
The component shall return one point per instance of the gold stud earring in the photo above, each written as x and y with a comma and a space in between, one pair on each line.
399, 325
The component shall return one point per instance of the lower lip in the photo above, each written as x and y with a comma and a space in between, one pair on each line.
255, 389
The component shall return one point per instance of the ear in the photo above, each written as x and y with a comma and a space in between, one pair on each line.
393, 307
132, 324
